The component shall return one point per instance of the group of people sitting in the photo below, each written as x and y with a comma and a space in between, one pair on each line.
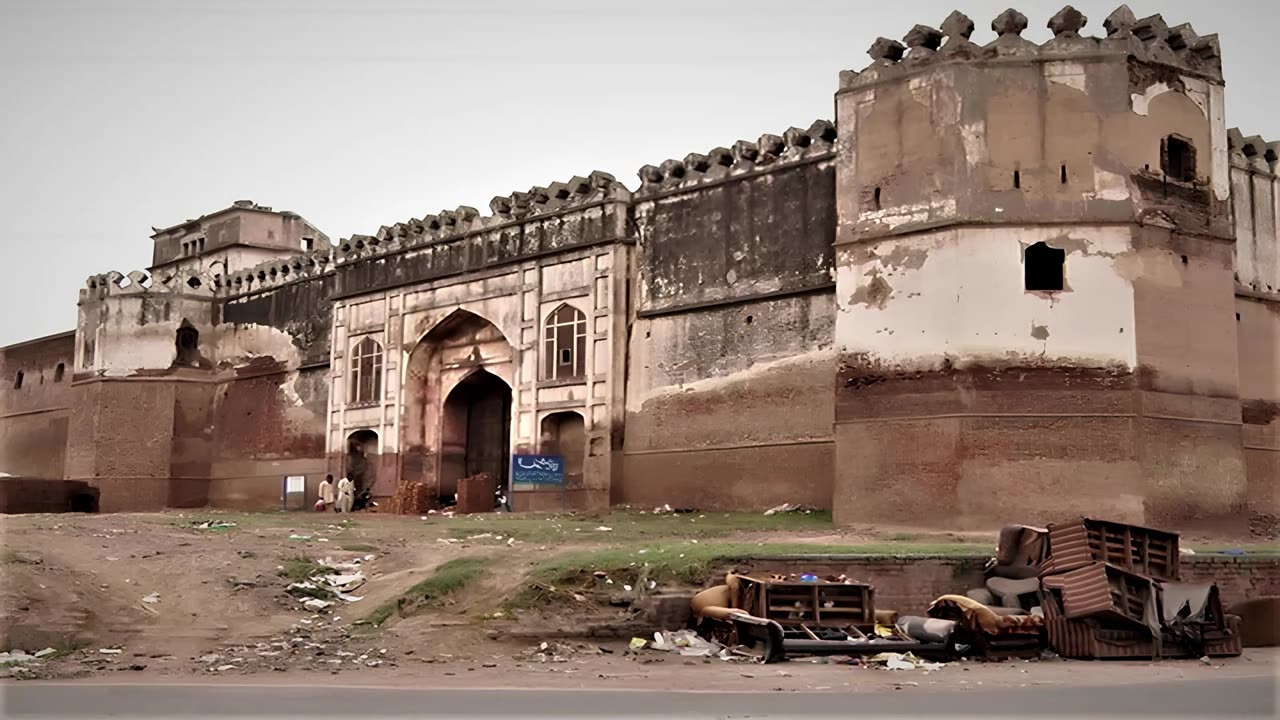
345, 500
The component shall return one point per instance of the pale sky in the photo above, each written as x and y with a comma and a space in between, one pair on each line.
121, 115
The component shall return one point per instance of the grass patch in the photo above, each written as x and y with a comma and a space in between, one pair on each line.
433, 591
299, 568
687, 563
631, 526
359, 547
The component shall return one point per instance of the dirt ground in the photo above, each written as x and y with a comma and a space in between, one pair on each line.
215, 604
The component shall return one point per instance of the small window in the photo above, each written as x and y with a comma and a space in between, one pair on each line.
1044, 268
365, 384
1017, 179
565, 344
1178, 158
200, 242
876, 198
308, 244
17, 382
59, 371
1063, 174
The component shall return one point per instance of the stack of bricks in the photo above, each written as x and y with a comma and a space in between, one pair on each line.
476, 494
412, 499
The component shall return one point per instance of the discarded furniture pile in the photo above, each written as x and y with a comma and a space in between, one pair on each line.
1086, 588
1109, 589
774, 617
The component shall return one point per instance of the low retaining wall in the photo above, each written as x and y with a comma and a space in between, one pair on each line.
909, 584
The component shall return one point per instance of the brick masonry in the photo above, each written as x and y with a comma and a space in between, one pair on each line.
908, 585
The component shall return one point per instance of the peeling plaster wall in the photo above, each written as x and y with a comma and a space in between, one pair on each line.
33, 417
729, 399
957, 387
731, 406
957, 295
1255, 198
1259, 337
268, 417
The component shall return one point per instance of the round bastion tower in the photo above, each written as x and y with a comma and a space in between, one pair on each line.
1035, 278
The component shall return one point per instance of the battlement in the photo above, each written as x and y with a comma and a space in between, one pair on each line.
1253, 153
274, 273
1149, 40
697, 168
98, 287
537, 203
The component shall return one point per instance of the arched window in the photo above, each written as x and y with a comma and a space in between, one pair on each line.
366, 372
564, 344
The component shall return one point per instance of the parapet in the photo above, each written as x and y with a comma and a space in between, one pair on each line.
696, 168
535, 204
140, 283
1253, 153
274, 273
1148, 39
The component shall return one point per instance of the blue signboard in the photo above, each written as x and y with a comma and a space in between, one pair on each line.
537, 470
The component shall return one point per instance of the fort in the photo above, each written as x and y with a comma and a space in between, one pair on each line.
1010, 281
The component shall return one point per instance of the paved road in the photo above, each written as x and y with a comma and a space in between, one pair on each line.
1233, 697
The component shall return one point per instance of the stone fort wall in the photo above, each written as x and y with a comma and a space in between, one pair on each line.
832, 316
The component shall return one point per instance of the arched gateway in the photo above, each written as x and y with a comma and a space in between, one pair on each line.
457, 418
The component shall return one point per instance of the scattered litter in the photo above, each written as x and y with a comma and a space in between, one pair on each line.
626, 588
685, 642
17, 656
110, 651
349, 598
212, 524
299, 537
45, 652
783, 508
220, 668
511, 541
604, 528
152, 598
315, 604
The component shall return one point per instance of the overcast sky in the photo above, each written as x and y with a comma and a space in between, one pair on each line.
121, 115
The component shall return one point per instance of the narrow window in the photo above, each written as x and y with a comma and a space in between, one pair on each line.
59, 371
1017, 179
365, 385
1044, 268
876, 198
201, 244
308, 244
1178, 158
1064, 174
17, 382
564, 342
86, 353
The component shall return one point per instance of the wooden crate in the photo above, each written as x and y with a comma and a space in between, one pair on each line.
813, 604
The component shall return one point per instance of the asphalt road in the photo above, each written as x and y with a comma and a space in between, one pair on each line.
1232, 697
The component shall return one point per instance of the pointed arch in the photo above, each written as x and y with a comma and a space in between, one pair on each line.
564, 344
365, 386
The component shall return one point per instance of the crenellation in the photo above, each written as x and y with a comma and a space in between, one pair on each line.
696, 168
1149, 40
922, 43
958, 28
1009, 26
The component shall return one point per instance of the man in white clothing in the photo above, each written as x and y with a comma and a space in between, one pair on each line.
326, 493
346, 495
